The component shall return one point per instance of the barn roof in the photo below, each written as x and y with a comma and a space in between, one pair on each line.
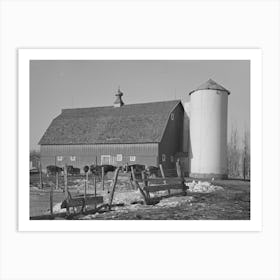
133, 123
210, 84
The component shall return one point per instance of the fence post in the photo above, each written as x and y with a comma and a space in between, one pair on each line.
114, 186
51, 200
85, 190
102, 169
163, 176
180, 174
146, 199
56, 180
144, 178
66, 188
40, 175
178, 168
65, 182
94, 181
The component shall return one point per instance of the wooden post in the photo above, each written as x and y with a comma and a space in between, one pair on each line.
65, 182
144, 178
146, 199
51, 200
133, 174
180, 174
163, 176
178, 168
114, 186
56, 180
85, 190
66, 188
102, 169
40, 175
94, 181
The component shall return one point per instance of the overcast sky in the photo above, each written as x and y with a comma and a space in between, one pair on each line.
55, 85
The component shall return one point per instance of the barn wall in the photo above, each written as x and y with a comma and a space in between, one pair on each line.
171, 143
146, 154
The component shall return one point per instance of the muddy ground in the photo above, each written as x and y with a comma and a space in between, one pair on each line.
230, 202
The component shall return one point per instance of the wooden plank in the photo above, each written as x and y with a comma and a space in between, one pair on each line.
80, 201
157, 188
161, 180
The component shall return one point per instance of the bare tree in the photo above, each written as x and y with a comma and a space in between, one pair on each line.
246, 154
234, 154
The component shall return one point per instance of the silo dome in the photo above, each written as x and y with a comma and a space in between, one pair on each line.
208, 131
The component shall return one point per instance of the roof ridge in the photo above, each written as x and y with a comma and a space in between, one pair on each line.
126, 105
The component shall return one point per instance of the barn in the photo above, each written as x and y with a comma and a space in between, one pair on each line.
146, 133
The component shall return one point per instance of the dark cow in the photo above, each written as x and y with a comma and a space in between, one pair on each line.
138, 168
52, 170
73, 170
97, 169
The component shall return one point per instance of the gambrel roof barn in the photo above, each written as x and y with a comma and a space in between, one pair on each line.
147, 133
134, 123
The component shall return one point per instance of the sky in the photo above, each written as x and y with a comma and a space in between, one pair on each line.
59, 84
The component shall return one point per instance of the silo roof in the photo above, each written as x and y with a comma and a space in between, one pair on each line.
210, 84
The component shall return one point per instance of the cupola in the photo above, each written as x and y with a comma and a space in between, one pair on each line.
118, 102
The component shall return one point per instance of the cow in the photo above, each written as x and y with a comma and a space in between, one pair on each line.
138, 168
97, 169
73, 170
52, 170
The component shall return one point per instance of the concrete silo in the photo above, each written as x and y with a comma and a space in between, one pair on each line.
208, 131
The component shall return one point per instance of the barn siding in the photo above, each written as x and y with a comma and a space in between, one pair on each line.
146, 154
171, 142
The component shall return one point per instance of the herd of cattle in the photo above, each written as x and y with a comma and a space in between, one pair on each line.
97, 169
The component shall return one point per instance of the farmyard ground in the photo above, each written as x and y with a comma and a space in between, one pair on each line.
229, 201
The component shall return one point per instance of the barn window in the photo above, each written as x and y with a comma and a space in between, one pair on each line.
119, 157
73, 158
172, 158
163, 157
172, 116
59, 158
132, 158
105, 159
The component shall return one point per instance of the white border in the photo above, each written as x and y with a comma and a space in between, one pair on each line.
24, 57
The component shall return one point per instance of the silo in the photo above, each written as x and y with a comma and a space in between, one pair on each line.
208, 131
